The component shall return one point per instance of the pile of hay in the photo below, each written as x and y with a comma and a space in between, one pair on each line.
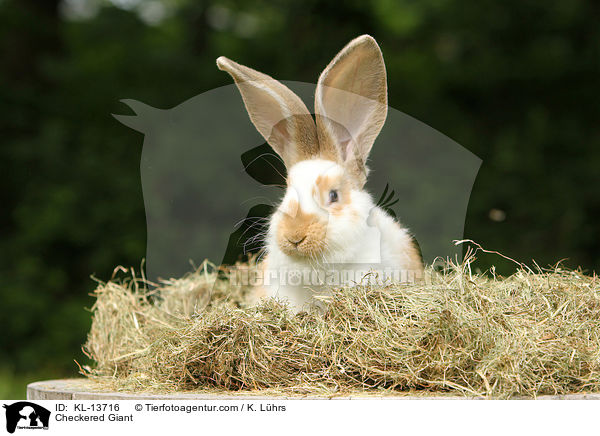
463, 333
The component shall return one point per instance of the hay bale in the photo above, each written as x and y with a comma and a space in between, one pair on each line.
529, 334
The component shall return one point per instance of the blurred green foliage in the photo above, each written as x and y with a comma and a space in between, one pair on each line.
516, 82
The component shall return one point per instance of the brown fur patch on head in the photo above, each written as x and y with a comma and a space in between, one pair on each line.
325, 183
301, 234
328, 149
344, 154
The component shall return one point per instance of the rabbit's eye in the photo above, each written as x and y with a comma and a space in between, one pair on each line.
333, 196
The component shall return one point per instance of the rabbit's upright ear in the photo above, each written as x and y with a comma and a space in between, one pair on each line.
279, 115
351, 103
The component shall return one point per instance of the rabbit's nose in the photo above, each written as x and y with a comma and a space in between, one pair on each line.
296, 240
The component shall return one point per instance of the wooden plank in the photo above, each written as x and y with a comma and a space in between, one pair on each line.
84, 389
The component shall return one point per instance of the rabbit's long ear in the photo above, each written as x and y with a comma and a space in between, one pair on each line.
279, 115
351, 103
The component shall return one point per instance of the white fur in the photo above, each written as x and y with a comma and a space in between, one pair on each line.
373, 241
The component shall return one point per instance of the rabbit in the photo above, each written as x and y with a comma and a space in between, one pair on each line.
327, 230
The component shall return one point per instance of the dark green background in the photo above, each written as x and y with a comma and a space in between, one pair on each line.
515, 82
